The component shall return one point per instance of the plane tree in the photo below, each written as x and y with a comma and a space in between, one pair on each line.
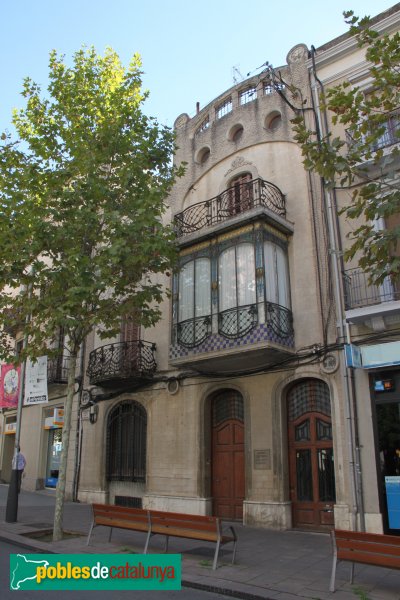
83, 190
366, 159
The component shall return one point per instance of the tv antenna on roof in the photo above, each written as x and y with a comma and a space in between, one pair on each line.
236, 74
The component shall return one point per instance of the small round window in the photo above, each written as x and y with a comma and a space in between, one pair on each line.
235, 133
203, 155
273, 120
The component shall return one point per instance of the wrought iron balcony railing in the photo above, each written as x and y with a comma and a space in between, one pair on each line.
133, 360
234, 323
57, 369
231, 202
192, 332
389, 135
280, 319
359, 293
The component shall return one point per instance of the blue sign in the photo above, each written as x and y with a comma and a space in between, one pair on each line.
353, 356
393, 500
51, 482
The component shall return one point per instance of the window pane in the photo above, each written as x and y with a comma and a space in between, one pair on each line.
203, 288
326, 475
324, 430
227, 279
302, 431
186, 289
246, 274
304, 476
276, 275
271, 284
283, 277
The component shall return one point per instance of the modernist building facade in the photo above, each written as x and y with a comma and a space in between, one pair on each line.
239, 402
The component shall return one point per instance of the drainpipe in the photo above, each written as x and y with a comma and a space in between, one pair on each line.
350, 403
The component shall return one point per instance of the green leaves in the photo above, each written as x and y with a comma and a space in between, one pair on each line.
84, 195
365, 158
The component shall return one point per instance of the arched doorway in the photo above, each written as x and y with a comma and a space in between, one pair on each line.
126, 453
227, 461
311, 460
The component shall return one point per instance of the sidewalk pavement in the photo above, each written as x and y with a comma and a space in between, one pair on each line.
274, 565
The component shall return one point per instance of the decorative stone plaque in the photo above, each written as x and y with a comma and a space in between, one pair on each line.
262, 459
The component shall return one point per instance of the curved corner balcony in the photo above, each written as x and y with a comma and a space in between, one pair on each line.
124, 364
232, 202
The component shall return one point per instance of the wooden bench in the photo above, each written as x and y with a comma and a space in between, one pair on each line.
153, 522
367, 548
136, 519
195, 527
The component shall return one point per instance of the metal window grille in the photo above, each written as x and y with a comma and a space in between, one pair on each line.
310, 395
129, 501
248, 95
227, 404
270, 89
204, 125
224, 108
126, 443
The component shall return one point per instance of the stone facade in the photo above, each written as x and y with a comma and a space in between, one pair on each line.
270, 352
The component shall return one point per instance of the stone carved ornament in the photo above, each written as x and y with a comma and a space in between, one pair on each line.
238, 162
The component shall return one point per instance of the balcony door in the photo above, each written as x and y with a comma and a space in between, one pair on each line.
228, 487
311, 461
130, 330
240, 194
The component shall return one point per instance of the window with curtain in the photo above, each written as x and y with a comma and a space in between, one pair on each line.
194, 309
276, 275
237, 290
236, 274
195, 289
277, 291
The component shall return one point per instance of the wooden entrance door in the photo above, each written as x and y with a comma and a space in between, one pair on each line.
228, 456
311, 461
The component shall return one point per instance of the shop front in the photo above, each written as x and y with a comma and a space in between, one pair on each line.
53, 424
386, 408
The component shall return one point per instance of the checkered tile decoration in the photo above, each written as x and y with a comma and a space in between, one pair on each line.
261, 333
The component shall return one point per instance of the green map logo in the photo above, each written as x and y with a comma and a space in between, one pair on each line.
95, 572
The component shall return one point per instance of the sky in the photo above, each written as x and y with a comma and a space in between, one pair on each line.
191, 50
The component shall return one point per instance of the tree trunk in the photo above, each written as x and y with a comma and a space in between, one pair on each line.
60, 490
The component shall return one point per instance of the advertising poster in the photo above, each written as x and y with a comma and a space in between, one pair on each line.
36, 381
10, 382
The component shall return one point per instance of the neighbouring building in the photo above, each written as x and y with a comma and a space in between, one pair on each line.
240, 402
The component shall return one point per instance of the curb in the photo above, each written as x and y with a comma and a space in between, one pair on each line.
221, 590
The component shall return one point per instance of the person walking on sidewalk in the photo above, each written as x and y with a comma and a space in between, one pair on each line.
19, 463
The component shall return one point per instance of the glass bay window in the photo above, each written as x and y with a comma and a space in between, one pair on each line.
237, 290
194, 302
237, 284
